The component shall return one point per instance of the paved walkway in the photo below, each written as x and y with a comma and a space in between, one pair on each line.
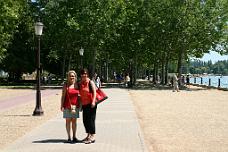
23, 98
117, 130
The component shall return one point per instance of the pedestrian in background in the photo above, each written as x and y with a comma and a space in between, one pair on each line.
97, 80
188, 82
175, 83
127, 80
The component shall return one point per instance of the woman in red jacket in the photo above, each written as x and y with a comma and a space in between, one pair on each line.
89, 107
69, 104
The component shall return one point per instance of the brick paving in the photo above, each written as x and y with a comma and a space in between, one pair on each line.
17, 97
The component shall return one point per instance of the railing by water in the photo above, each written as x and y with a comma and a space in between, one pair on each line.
220, 82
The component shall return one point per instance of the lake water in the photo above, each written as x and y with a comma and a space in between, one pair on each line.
214, 81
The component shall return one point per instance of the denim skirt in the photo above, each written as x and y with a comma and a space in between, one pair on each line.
67, 113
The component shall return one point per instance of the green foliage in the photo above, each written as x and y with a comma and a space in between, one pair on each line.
20, 56
200, 67
9, 19
145, 34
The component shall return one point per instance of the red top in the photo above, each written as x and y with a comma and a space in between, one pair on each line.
71, 96
85, 95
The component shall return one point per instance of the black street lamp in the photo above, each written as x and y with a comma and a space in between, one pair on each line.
38, 110
81, 52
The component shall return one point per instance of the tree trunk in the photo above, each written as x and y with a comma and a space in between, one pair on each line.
92, 66
63, 67
154, 73
166, 68
69, 63
106, 71
135, 71
131, 74
163, 72
179, 65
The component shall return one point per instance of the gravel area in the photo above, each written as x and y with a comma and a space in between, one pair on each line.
185, 121
9, 93
17, 121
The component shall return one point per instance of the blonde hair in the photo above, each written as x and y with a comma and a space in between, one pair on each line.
68, 75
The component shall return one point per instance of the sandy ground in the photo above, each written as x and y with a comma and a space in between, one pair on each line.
185, 121
16, 121
9, 93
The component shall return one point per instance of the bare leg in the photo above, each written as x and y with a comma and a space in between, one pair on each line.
74, 127
178, 88
68, 121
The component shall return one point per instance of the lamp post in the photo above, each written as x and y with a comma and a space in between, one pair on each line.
81, 52
38, 109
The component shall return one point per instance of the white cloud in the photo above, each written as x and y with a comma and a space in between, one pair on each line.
214, 57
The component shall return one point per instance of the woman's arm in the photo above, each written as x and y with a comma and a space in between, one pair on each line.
94, 93
63, 96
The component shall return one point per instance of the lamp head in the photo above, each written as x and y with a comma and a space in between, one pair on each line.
39, 28
81, 51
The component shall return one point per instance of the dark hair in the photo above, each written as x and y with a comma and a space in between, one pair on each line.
84, 71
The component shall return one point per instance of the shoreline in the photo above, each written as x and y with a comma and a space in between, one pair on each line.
209, 87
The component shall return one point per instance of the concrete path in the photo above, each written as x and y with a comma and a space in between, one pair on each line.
117, 130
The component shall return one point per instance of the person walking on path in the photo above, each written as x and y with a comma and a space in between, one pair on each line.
127, 80
69, 104
89, 107
97, 80
188, 82
175, 83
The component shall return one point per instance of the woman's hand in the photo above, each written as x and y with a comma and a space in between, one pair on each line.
61, 108
93, 104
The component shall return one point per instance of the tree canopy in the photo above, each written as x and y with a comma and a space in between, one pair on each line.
133, 35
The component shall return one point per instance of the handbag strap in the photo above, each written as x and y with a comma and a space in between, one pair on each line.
91, 88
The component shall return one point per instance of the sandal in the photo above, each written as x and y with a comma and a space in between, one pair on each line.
85, 139
89, 141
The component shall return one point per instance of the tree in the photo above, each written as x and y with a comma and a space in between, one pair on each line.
9, 18
20, 56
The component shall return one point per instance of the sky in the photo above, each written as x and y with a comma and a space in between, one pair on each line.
214, 57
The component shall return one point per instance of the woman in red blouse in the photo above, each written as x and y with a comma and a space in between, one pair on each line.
69, 101
89, 107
